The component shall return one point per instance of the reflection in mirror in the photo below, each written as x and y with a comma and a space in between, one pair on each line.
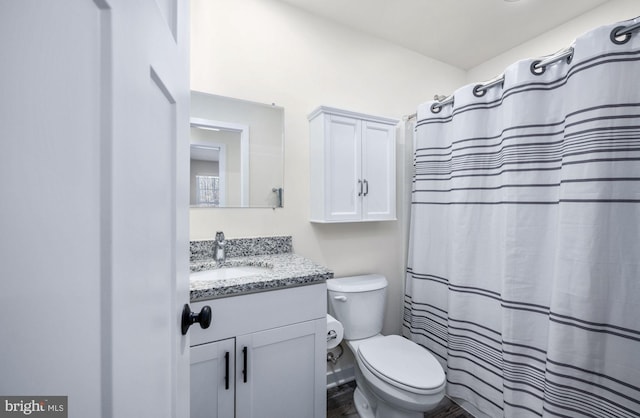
205, 176
236, 152
219, 164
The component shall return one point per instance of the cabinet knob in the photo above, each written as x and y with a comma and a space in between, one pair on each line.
189, 318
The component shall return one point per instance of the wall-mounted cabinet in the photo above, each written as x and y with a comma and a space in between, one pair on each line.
352, 166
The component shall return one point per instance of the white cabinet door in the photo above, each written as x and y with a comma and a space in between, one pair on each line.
343, 176
281, 372
378, 171
213, 379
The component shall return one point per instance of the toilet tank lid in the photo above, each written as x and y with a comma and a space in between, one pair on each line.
362, 283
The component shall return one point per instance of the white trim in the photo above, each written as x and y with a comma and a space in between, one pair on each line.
243, 130
469, 407
340, 376
222, 174
350, 114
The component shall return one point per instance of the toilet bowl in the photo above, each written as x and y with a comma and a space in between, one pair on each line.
395, 377
399, 372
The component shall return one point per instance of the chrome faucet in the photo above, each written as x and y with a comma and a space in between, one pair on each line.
219, 253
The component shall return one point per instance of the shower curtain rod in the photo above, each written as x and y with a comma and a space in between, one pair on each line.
409, 117
415, 115
537, 66
625, 31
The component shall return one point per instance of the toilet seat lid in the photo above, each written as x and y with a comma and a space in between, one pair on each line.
402, 363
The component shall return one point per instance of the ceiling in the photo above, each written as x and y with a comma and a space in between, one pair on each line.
463, 33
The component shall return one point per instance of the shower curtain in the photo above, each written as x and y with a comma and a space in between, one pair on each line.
523, 273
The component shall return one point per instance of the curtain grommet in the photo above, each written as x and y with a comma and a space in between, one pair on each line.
614, 36
535, 70
570, 58
479, 90
436, 108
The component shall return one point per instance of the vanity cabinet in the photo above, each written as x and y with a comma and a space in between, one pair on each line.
264, 355
352, 166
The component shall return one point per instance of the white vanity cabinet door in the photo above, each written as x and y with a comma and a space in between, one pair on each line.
352, 166
283, 372
212, 379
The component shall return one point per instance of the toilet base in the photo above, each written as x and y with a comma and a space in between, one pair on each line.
387, 411
362, 404
380, 410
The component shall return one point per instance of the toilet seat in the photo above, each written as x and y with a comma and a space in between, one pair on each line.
403, 364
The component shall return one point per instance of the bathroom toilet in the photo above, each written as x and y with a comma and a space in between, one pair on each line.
395, 377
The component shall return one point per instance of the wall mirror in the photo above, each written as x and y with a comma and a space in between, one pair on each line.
237, 153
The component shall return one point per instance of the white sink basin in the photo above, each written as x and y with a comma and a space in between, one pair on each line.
225, 273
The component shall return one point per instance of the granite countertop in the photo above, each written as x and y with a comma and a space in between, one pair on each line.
286, 270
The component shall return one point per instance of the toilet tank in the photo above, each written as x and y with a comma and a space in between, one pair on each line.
358, 302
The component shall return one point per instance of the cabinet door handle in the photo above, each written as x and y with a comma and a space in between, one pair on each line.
360, 185
226, 371
244, 366
366, 187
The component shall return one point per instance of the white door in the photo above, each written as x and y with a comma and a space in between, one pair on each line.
94, 212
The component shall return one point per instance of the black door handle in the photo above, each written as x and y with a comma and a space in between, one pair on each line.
189, 318
244, 368
226, 370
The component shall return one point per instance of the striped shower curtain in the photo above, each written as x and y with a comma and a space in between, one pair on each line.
523, 272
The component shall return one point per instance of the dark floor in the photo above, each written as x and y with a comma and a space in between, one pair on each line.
340, 405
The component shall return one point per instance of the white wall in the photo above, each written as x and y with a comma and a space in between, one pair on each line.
558, 38
265, 51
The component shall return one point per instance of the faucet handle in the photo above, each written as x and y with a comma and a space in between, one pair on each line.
219, 254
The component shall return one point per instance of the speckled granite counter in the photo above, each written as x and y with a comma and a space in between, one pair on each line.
286, 269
